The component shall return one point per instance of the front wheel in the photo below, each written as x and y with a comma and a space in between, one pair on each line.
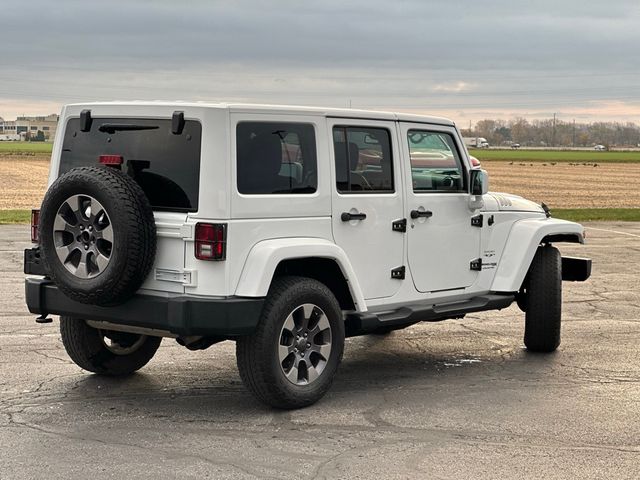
292, 357
543, 290
105, 351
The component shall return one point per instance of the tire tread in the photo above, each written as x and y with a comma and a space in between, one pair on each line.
544, 301
250, 350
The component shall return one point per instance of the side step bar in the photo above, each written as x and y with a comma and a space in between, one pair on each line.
367, 322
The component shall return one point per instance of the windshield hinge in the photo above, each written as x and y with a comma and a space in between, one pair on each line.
477, 221
476, 264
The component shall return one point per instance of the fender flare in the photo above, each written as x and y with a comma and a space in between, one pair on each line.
264, 257
523, 241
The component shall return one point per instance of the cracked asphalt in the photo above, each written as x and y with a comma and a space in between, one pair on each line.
455, 399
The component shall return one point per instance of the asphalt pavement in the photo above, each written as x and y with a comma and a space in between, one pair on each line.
455, 399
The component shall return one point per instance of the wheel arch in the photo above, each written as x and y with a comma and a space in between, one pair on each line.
523, 241
309, 257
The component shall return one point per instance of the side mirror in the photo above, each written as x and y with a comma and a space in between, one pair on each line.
479, 182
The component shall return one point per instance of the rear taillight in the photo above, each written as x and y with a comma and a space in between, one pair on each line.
211, 241
35, 219
111, 160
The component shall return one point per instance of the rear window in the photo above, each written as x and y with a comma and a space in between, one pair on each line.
165, 165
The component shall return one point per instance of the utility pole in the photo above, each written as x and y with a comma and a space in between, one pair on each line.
574, 133
553, 133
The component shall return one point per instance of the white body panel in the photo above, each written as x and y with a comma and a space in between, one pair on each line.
265, 257
371, 238
440, 247
524, 238
263, 230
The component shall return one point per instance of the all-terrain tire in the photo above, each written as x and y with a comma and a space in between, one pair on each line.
86, 347
133, 249
257, 354
544, 301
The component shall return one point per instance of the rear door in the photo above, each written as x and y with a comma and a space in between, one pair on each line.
367, 199
442, 242
166, 165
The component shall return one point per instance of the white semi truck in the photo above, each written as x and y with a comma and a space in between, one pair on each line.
475, 142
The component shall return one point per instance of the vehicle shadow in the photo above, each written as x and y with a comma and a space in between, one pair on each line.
371, 367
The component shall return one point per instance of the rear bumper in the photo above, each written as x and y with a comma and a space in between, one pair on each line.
182, 315
576, 269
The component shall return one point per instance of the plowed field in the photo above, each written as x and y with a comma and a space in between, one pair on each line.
563, 185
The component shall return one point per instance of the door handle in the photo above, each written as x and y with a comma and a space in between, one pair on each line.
421, 214
346, 216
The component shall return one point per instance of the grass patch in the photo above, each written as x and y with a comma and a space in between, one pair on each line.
25, 147
590, 214
15, 216
556, 156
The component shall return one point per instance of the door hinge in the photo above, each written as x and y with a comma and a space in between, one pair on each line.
477, 221
491, 220
399, 225
476, 264
398, 273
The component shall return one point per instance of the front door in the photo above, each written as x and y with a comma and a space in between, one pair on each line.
442, 242
367, 198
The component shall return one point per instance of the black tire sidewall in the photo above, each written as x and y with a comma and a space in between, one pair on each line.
544, 301
322, 383
86, 348
287, 294
117, 282
48, 213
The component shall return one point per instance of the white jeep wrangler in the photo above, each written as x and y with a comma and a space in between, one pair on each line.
285, 229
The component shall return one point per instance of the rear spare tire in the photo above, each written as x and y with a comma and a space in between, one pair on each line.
97, 235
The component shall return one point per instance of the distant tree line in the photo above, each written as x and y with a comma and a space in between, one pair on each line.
555, 133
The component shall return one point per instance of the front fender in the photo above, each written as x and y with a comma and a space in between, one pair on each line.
265, 256
523, 241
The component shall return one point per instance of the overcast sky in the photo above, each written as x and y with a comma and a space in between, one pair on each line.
463, 59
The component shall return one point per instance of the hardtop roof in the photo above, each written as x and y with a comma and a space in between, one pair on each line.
284, 109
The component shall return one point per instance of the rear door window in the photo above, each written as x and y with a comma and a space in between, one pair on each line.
164, 164
276, 158
363, 160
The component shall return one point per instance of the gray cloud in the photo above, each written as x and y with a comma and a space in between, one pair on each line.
466, 56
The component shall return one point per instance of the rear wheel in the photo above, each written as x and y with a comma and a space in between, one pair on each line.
543, 301
291, 358
105, 351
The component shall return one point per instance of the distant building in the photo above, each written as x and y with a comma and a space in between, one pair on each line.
28, 127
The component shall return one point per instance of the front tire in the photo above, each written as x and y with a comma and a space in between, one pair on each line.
544, 301
291, 358
106, 352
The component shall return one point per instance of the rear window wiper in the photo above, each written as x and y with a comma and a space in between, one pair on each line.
124, 127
